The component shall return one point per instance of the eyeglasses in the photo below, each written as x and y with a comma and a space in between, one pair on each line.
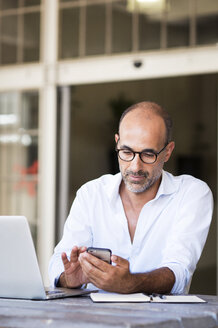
146, 156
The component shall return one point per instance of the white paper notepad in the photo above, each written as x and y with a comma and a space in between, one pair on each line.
113, 297
141, 298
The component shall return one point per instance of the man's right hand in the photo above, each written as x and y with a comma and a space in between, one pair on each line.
73, 276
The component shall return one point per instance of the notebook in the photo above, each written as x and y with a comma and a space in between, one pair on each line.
19, 270
106, 297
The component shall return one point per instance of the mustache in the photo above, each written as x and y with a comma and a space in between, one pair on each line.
139, 173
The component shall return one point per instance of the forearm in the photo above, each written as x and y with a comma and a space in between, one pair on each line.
157, 281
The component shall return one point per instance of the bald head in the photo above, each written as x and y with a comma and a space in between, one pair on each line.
147, 110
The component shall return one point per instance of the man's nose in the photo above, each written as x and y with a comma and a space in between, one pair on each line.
136, 163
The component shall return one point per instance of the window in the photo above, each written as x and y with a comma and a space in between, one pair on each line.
98, 27
19, 31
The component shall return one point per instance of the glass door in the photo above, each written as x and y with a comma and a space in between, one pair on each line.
192, 103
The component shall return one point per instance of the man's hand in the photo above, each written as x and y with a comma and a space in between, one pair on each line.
118, 278
73, 275
105, 276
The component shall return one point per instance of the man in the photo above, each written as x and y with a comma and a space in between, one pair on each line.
155, 224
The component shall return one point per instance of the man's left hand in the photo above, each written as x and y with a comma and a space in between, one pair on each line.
113, 278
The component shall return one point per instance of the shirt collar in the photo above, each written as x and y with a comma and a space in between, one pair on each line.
112, 188
169, 184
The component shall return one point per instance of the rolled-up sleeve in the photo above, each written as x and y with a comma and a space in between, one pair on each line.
188, 235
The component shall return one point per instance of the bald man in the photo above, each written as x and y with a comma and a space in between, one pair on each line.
156, 224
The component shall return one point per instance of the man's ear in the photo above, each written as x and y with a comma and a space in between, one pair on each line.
169, 149
116, 137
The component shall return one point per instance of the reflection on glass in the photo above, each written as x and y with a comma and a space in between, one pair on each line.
28, 3
149, 22
95, 30
8, 39
31, 37
19, 33
9, 103
29, 111
207, 29
19, 155
69, 0
29, 145
178, 23
148, 7
122, 27
207, 21
12, 4
69, 33
178, 33
149, 32
8, 4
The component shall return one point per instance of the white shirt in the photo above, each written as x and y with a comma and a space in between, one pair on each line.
171, 230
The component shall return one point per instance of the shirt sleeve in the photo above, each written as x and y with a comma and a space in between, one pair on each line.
77, 232
188, 234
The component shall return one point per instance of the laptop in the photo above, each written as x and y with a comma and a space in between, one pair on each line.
19, 270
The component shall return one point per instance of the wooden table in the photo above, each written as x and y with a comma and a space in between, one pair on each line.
82, 312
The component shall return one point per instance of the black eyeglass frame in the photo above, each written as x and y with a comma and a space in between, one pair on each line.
140, 153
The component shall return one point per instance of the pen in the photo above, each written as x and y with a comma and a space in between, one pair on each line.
157, 295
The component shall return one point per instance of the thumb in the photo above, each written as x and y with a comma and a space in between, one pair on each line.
119, 261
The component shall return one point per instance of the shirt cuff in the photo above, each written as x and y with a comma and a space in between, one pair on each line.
182, 278
56, 280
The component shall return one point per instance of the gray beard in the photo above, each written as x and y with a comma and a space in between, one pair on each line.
149, 183
145, 186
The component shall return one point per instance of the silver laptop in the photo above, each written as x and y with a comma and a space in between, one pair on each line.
19, 271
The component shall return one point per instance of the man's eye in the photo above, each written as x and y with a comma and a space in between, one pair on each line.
126, 152
148, 155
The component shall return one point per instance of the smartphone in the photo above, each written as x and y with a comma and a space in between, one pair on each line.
101, 253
